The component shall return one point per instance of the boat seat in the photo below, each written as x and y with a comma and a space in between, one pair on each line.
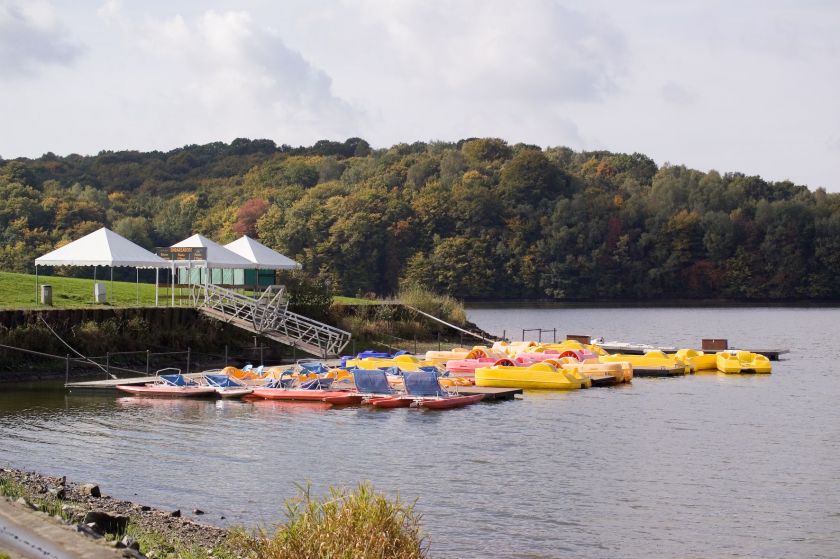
424, 383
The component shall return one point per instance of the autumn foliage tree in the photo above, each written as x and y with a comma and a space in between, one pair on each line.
249, 213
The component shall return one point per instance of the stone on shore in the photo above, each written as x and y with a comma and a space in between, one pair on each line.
106, 523
90, 489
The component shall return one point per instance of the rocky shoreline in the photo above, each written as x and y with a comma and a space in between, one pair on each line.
95, 513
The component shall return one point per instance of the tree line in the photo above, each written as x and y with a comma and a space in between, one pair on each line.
478, 218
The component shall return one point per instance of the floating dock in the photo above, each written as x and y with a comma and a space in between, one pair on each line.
658, 371
111, 384
603, 380
771, 354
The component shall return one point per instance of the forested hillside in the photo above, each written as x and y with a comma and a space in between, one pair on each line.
476, 219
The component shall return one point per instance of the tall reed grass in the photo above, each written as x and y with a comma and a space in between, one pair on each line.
442, 306
359, 524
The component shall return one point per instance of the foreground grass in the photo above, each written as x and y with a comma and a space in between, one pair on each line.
164, 545
360, 524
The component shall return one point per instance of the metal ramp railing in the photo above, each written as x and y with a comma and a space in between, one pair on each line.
268, 315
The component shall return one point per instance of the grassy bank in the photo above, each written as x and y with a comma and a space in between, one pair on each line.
17, 291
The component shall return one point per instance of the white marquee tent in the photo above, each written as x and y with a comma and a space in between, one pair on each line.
260, 256
217, 255
103, 247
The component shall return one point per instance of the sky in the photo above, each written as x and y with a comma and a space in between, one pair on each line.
739, 85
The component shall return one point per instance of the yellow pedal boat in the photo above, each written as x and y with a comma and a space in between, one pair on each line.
743, 362
543, 376
650, 360
441, 357
621, 371
404, 362
697, 360
571, 344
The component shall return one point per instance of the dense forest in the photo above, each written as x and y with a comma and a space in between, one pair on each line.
476, 219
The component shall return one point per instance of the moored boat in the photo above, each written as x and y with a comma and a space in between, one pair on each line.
227, 387
172, 386
301, 394
467, 367
424, 388
697, 360
650, 360
743, 362
542, 376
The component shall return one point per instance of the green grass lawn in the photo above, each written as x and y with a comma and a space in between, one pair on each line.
17, 291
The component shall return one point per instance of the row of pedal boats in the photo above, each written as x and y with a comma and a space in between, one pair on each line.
433, 380
312, 382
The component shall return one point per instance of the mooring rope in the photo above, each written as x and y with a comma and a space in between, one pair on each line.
71, 348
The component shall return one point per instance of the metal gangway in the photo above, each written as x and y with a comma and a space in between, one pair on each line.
268, 315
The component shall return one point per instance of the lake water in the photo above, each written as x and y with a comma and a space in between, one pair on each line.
708, 465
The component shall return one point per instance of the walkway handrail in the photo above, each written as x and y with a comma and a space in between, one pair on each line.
269, 314
427, 315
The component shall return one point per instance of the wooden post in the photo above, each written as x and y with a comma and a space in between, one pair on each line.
554, 336
148, 355
523, 334
66, 368
189, 354
261, 354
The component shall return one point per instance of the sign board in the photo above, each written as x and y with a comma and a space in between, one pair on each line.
182, 254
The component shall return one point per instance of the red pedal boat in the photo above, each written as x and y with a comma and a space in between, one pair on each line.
392, 402
347, 399
450, 401
304, 394
427, 392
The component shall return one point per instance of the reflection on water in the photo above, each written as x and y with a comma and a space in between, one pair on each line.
711, 465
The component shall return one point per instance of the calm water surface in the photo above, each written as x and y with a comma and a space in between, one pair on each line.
703, 466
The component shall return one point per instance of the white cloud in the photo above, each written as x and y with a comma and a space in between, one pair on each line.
675, 93
31, 36
441, 70
242, 77
746, 86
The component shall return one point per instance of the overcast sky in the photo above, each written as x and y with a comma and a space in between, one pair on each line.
737, 85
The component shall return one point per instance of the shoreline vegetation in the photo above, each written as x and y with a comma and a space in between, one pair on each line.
360, 523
